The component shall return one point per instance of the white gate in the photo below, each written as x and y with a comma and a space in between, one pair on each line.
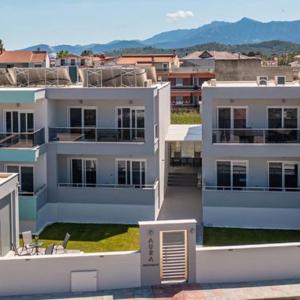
173, 256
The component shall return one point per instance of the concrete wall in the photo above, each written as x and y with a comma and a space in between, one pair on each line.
248, 70
114, 270
248, 263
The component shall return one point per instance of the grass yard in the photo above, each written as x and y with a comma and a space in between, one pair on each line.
234, 236
93, 237
185, 118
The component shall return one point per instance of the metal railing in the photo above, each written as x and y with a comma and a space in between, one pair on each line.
33, 193
22, 139
256, 136
111, 186
250, 189
91, 134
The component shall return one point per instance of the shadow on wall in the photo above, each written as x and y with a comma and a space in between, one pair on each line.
83, 232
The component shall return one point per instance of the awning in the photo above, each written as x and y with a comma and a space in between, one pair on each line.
184, 133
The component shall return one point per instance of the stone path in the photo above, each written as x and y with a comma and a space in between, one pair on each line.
288, 290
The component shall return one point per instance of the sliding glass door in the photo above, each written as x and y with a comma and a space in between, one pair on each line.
17, 121
83, 172
131, 172
131, 123
232, 117
25, 174
283, 175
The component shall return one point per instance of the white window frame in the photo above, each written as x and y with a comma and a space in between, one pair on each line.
82, 115
232, 115
20, 175
282, 115
70, 170
19, 111
231, 169
131, 108
131, 160
283, 162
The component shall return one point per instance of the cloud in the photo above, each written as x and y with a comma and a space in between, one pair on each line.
179, 15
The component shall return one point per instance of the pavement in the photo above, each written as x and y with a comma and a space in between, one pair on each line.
288, 290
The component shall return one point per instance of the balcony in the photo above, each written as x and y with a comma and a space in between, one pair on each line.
96, 135
256, 136
250, 189
23, 146
107, 193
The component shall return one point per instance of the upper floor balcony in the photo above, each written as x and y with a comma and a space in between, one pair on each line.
256, 136
96, 135
22, 146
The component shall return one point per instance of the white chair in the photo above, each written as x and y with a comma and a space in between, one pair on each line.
27, 241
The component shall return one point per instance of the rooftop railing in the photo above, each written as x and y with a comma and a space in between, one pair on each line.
110, 186
22, 139
251, 189
89, 134
256, 136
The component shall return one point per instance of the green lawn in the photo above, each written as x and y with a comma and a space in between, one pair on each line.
229, 237
105, 238
93, 237
185, 118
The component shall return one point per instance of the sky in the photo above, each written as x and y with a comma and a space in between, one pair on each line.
25, 23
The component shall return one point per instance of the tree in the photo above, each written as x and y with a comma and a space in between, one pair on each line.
62, 53
1, 46
87, 53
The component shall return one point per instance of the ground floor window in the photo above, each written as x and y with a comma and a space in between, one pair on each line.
283, 175
232, 174
25, 175
131, 172
83, 172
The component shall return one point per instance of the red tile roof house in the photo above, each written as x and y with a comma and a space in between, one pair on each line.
24, 59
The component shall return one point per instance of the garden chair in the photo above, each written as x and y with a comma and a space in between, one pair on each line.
49, 250
27, 241
64, 244
16, 251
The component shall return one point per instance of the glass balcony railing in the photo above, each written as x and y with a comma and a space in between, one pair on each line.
75, 134
256, 136
251, 189
22, 139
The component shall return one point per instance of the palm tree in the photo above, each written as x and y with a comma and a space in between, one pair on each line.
1, 46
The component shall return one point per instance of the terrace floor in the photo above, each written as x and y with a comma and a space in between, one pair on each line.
288, 290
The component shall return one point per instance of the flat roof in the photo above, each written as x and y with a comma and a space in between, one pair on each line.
184, 133
249, 84
4, 177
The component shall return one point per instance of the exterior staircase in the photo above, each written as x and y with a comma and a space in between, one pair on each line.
182, 179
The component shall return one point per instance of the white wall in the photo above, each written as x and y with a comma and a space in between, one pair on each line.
248, 263
52, 274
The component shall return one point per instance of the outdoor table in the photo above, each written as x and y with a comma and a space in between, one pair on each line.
36, 245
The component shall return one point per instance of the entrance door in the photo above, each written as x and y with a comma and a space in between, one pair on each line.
5, 226
173, 256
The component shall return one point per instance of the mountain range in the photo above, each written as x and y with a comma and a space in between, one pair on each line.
244, 31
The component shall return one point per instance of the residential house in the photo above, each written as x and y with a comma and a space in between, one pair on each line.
85, 153
24, 59
250, 154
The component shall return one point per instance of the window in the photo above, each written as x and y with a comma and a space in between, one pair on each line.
179, 100
83, 172
25, 174
232, 117
179, 82
283, 118
232, 174
73, 62
18, 121
82, 117
165, 67
131, 172
62, 62
283, 175
131, 122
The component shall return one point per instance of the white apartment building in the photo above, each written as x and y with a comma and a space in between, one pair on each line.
251, 150
89, 152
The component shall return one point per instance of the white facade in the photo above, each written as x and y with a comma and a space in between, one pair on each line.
250, 155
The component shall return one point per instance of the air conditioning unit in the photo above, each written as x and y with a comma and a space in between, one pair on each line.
213, 82
148, 83
280, 80
262, 80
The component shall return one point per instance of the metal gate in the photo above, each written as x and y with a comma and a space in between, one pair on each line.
173, 256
